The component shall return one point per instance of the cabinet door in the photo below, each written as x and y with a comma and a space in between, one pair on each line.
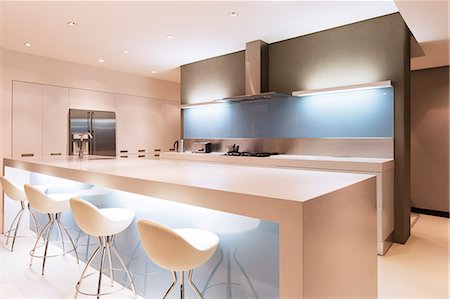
157, 123
26, 120
132, 125
172, 127
55, 107
91, 100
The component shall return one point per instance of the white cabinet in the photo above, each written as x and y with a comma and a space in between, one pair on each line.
26, 120
91, 100
55, 107
40, 120
132, 124
142, 126
172, 125
156, 126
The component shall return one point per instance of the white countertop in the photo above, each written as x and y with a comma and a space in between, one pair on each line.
278, 183
360, 164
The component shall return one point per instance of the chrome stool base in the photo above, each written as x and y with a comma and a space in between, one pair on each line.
12, 232
105, 245
191, 283
53, 220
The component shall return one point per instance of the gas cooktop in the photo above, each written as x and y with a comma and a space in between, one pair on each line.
250, 154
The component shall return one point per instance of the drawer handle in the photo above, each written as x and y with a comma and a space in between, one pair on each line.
157, 149
124, 151
28, 155
55, 154
156, 155
141, 156
124, 156
141, 151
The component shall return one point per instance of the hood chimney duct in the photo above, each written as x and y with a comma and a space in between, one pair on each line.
256, 67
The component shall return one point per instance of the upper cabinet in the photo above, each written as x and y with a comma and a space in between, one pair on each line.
214, 78
91, 100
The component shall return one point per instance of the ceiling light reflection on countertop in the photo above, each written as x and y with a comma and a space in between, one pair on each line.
170, 36
27, 44
125, 52
153, 72
101, 60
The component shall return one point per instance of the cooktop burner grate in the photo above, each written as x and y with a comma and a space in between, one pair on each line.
250, 154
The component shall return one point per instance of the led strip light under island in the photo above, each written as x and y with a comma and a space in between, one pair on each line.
284, 233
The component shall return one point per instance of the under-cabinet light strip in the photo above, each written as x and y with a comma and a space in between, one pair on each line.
374, 85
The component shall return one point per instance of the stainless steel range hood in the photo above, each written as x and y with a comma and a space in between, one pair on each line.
256, 75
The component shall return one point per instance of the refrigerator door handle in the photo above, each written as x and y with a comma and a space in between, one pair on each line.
89, 116
93, 147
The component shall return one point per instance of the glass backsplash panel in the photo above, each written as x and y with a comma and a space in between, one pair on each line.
366, 113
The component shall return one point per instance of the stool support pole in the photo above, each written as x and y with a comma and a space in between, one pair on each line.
174, 275
17, 221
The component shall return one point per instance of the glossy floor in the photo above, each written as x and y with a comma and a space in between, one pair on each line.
418, 269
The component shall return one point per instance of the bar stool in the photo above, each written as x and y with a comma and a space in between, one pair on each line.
18, 194
182, 249
104, 224
52, 205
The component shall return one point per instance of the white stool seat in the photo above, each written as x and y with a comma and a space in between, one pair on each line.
47, 203
181, 249
100, 222
15, 192
200, 239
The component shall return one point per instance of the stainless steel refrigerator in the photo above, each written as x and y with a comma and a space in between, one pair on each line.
100, 124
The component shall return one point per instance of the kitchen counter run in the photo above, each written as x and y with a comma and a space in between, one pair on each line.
299, 161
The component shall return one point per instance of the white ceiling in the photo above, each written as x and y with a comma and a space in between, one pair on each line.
201, 29
429, 23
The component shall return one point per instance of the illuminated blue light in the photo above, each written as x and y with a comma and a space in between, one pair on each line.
253, 242
364, 113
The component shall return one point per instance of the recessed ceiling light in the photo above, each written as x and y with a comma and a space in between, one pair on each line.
125, 52
100, 60
27, 44
233, 14
170, 36
153, 72
72, 23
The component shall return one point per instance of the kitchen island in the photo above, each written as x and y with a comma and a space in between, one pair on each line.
325, 222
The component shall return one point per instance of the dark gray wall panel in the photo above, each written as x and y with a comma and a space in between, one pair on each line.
364, 52
214, 78
430, 139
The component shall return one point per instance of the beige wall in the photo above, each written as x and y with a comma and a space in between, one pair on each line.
430, 139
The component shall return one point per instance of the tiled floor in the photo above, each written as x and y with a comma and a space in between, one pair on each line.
418, 269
